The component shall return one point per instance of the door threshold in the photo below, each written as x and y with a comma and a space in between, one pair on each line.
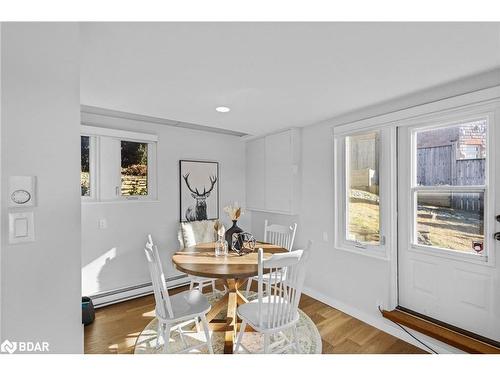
463, 340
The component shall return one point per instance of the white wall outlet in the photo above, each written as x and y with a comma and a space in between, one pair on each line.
325, 236
103, 224
21, 227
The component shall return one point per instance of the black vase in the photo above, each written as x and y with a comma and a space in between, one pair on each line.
230, 232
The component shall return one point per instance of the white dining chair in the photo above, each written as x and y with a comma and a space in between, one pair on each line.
277, 309
279, 235
174, 312
190, 234
196, 282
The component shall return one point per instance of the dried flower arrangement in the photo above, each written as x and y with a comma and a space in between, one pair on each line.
219, 228
234, 211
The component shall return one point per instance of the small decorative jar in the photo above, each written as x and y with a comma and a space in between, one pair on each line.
220, 247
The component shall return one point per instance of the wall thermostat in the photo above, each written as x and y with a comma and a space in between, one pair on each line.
20, 196
21, 191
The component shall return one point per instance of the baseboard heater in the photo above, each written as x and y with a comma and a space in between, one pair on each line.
126, 293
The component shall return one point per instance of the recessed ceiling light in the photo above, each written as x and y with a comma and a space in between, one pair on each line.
222, 109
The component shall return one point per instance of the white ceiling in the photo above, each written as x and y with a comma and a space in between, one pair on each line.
273, 75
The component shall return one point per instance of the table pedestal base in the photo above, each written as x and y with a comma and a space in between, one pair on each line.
232, 299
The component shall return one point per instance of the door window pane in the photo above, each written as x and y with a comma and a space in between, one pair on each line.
134, 168
452, 221
363, 210
452, 155
85, 166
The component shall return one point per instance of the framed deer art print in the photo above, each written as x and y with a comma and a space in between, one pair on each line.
199, 190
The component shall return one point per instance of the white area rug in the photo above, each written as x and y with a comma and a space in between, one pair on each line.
309, 337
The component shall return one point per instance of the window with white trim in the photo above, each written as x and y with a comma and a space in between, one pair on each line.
85, 184
134, 168
362, 188
88, 167
449, 186
117, 165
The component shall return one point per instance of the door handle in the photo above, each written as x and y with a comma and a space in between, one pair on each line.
497, 234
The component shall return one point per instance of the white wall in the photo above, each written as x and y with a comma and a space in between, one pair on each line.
113, 258
40, 137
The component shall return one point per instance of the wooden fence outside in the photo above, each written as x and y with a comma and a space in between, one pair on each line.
439, 166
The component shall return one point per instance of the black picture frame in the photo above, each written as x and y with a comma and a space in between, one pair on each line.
182, 185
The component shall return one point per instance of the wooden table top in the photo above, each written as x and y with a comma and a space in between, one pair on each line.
200, 260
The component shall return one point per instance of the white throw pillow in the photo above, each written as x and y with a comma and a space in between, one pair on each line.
195, 232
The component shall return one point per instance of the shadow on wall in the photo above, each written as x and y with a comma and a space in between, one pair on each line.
90, 284
118, 268
102, 273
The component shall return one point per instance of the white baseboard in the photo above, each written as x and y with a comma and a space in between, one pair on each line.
383, 324
124, 294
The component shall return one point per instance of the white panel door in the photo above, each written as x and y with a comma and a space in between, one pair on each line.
448, 197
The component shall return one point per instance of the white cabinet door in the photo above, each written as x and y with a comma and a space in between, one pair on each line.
256, 165
279, 173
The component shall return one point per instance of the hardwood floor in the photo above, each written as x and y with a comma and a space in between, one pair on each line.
116, 328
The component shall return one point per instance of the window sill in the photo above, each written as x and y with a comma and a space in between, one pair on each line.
90, 202
377, 254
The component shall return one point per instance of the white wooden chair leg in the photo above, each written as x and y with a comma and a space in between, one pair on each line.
166, 338
158, 334
295, 338
191, 285
240, 336
213, 286
183, 339
249, 285
267, 337
207, 333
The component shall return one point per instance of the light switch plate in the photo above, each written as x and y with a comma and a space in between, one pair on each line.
21, 227
22, 191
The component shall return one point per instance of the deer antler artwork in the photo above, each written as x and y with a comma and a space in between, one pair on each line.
199, 211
